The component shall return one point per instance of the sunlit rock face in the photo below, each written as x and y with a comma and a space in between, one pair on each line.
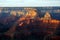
31, 13
26, 12
46, 22
17, 13
47, 16
13, 13
29, 23
20, 13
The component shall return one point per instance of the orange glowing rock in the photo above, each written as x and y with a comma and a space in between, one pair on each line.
20, 13
21, 19
54, 21
13, 13
21, 24
46, 16
46, 21
31, 13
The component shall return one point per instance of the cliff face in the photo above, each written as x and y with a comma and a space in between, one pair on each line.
30, 24
36, 26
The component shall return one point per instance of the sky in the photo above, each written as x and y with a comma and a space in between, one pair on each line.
29, 3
